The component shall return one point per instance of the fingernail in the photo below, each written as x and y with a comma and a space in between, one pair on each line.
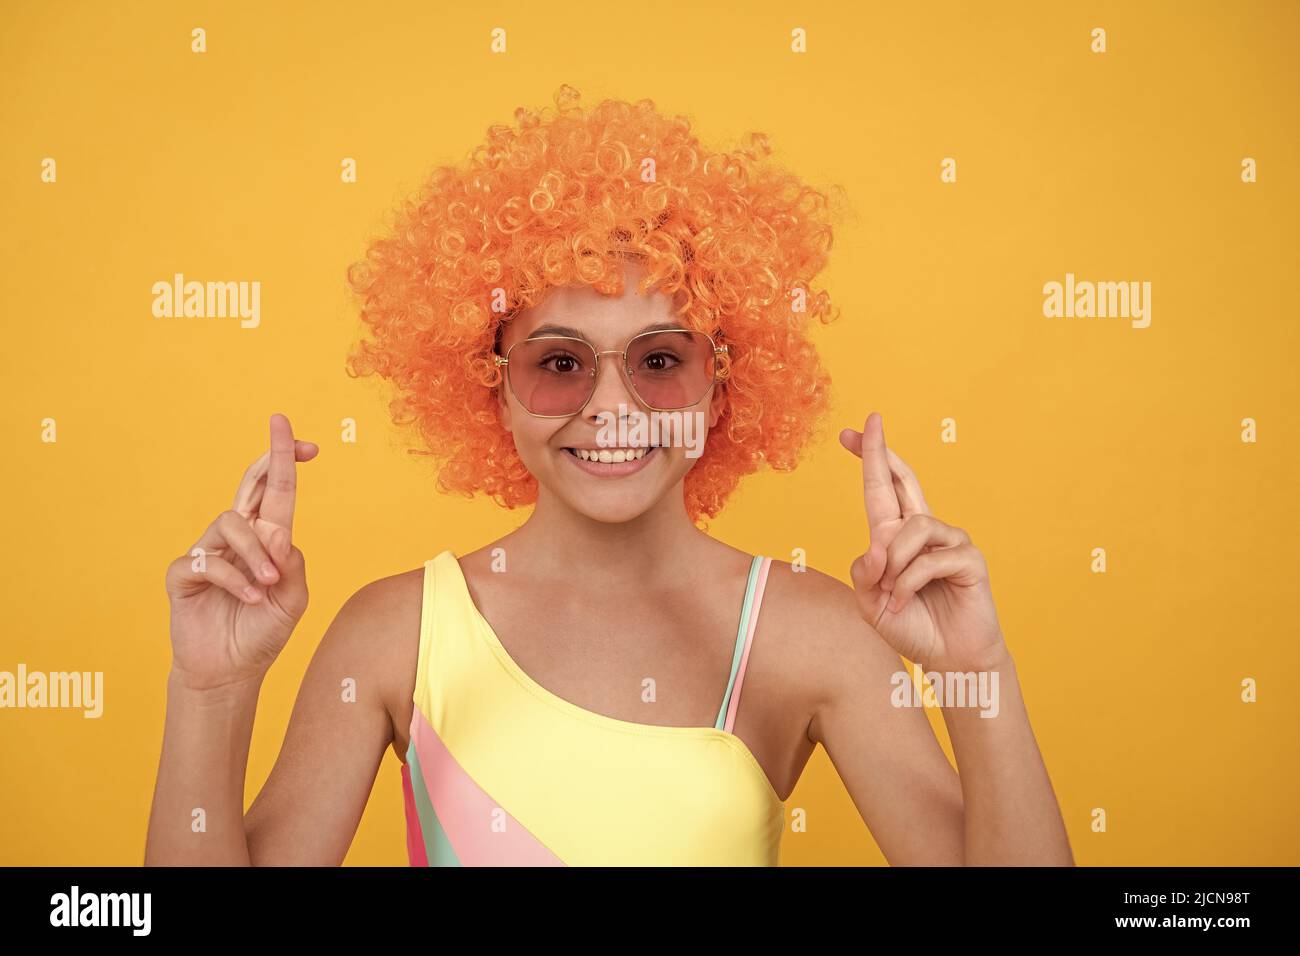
251, 593
267, 571
893, 604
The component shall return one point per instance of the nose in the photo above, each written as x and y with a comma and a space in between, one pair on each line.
612, 389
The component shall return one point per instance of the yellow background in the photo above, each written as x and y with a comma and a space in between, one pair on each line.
1072, 434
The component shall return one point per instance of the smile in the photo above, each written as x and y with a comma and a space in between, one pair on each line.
610, 462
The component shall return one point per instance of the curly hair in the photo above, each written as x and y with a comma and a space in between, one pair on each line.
567, 198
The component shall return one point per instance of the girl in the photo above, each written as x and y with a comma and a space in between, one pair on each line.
555, 318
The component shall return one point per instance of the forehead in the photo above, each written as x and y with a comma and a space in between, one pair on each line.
606, 321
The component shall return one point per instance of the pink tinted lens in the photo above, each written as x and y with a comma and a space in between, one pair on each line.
555, 376
671, 369
552, 376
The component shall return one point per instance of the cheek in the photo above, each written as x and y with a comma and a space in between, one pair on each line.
533, 438
529, 441
697, 435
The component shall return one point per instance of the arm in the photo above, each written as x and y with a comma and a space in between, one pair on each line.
899, 778
1012, 817
226, 632
204, 755
1000, 811
308, 811
922, 589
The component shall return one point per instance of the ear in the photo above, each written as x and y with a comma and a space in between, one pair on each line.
717, 403
503, 406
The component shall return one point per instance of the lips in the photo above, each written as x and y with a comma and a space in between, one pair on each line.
608, 455
592, 465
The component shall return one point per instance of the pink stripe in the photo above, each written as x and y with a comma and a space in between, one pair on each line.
414, 834
749, 640
467, 813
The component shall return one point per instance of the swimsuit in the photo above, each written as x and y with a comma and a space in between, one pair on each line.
502, 772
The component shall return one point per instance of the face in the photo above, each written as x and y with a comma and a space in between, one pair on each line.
608, 492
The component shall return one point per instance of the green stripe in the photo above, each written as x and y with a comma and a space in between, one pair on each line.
740, 638
437, 848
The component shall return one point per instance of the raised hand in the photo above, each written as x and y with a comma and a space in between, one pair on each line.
234, 605
921, 583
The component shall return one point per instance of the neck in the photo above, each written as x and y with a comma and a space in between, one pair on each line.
568, 544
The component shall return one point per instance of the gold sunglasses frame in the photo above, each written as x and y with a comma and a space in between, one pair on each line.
628, 373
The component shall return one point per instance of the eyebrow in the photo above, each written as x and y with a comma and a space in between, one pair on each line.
575, 334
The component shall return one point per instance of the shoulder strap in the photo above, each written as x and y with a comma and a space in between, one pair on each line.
428, 615
758, 569
445, 616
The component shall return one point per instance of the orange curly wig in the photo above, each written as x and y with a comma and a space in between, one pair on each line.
566, 198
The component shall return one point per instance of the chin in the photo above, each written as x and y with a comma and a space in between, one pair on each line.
609, 501
606, 503
610, 512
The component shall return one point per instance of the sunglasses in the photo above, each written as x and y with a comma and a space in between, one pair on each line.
554, 376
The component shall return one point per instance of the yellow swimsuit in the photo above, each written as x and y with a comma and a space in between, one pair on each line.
502, 772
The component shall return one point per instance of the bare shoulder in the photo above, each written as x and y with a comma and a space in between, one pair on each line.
378, 629
826, 645
307, 811
820, 609
386, 601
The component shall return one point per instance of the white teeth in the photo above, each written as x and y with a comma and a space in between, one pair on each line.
607, 455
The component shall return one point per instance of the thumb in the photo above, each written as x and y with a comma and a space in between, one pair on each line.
866, 572
868, 569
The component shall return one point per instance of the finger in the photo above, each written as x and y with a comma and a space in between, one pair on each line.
918, 533
281, 476
277, 542
290, 592
878, 492
184, 579
253, 484
865, 572
962, 565
238, 533
232, 538
909, 488
869, 566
